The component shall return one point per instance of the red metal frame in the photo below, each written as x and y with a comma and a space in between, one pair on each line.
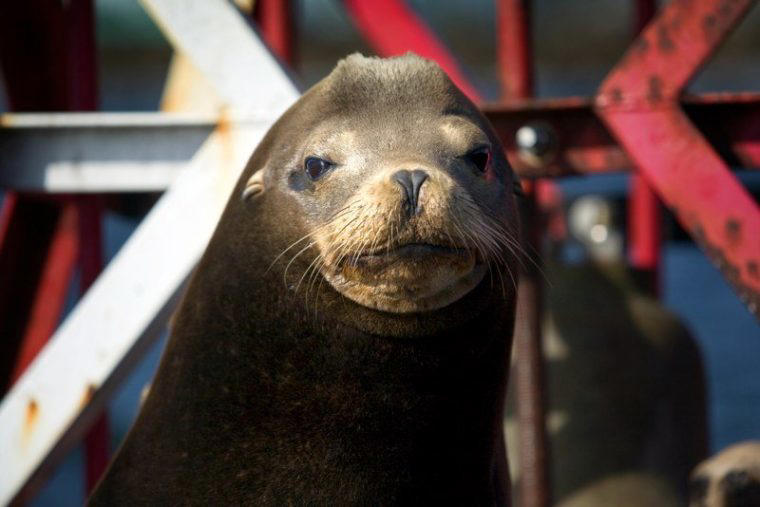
639, 102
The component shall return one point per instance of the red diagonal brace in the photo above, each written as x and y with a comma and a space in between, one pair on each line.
392, 28
639, 102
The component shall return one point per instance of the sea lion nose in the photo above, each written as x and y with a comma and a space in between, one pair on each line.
411, 182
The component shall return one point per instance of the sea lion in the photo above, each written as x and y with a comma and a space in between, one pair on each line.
346, 335
728, 479
625, 382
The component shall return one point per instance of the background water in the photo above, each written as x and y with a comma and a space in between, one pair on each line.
575, 44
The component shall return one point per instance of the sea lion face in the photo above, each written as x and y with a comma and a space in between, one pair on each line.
401, 185
729, 479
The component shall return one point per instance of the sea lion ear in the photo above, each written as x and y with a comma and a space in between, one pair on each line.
254, 187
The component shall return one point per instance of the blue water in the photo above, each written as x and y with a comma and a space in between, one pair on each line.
729, 337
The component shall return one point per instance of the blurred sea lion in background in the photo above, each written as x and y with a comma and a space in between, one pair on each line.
625, 384
728, 479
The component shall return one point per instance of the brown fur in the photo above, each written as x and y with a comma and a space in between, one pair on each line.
275, 388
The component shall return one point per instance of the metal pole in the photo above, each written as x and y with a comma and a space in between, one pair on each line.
644, 212
275, 20
516, 63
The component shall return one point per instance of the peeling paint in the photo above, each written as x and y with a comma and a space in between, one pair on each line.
753, 270
654, 93
664, 41
733, 231
89, 392
31, 416
732, 273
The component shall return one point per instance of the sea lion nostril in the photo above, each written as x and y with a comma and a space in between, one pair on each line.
418, 178
411, 182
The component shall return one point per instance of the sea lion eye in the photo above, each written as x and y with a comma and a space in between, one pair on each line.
480, 157
316, 167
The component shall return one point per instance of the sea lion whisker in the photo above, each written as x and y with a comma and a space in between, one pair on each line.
308, 268
285, 272
515, 246
363, 243
337, 241
304, 237
314, 267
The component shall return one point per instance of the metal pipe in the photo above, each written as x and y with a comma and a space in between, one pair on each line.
516, 64
644, 229
275, 20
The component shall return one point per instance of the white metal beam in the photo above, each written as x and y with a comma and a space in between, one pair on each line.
101, 152
222, 45
47, 410
97, 152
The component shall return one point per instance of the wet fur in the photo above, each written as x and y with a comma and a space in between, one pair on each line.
276, 389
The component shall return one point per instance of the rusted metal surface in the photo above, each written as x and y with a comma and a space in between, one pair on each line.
639, 102
392, 28
730, 121
669, 52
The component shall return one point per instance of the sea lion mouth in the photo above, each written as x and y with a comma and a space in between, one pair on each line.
411, 252
406, 278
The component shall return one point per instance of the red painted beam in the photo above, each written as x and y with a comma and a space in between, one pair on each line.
49, 298
696, 185
639, 102
644, 231
392, 28
515, 49
275, 20
670, 51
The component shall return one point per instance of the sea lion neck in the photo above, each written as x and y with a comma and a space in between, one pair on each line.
327, 400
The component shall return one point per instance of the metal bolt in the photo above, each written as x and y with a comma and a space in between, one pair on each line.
536, 143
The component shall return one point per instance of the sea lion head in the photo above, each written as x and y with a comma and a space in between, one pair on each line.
399, 184
728, 479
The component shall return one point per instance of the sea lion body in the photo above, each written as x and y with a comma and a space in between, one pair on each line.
314, 361
625, 391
